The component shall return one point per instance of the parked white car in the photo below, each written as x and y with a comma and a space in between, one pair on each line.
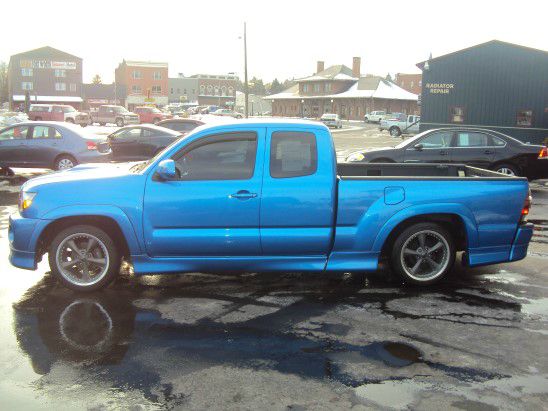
331, 120
399, 123
227, 113
374, 117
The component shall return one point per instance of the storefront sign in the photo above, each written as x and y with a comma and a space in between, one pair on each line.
48, 64
440, 88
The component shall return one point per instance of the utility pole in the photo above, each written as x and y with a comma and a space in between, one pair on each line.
246, 87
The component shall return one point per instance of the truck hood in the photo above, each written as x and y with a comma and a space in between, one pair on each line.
83, 172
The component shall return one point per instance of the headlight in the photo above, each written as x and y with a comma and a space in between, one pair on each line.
25, 200
355, 157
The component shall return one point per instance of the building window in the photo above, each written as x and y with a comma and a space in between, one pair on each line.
60, 86
26, 72
60, 73
305, 88
26, 85
202, 90
456, 115
402, 83
157, 75
136, 89
316, 88
412, 84
193, 91
327, 87
230, 91
72, 87
210, 90
156, 89
137, 74
524, 118
171, 90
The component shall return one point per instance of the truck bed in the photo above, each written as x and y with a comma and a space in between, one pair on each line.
407, 171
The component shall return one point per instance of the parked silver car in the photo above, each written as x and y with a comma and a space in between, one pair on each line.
331, 120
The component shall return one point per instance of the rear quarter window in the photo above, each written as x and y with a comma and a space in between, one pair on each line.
293, 154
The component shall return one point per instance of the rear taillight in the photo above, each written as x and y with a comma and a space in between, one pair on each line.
543, 153
91, 145
527, 206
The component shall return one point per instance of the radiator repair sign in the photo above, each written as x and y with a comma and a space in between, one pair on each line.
440, 88
48, 64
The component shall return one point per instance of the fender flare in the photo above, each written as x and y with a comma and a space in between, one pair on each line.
459, 210
109, 211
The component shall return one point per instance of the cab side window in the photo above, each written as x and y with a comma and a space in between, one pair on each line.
228, 156
15, 133
39, 132
293, 154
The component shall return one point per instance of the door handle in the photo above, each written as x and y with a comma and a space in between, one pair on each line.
488, 152
443, 153
243, 195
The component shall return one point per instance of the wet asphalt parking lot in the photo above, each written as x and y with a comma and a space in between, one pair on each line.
279, 341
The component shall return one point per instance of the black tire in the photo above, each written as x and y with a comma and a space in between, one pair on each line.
102, 124
70, 120
366, 120
83, 124
120, 122
155, 121
506, 168
61, 162
6, 172
113, 261
395, 131
423, 272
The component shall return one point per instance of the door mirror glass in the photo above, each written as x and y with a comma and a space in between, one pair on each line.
166, 170
418, 147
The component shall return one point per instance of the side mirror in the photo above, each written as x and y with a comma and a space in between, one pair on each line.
418, 147
166, 170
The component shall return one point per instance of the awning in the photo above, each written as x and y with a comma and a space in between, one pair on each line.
49, 99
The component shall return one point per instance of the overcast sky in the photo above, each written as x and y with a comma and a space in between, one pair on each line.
285, 38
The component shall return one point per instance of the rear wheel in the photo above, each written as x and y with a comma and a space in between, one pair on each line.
102, 124
84, 258
120, 122
423, 253
156, 120
395, 131
508, 169
64, 162
366, 120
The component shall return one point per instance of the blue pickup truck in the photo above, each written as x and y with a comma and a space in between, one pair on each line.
266, 195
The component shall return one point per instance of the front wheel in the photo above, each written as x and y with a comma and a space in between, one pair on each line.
423, 254
84, 258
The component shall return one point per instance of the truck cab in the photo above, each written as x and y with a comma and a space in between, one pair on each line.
114, 115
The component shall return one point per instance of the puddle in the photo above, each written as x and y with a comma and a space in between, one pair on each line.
540, 231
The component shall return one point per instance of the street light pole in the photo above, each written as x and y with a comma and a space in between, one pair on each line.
246, 87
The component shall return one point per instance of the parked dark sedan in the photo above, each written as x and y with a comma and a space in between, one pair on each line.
182, 125
476, 147
55, 145
133, 143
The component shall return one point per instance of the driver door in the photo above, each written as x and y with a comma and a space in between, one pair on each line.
432, 148
213, 208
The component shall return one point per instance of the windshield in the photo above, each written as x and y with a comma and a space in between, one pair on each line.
137, 168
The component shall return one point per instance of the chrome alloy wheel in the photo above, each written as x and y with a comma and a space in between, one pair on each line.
507, 171
64, 164
82, 259
425, 255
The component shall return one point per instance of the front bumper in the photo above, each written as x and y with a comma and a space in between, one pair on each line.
22, 240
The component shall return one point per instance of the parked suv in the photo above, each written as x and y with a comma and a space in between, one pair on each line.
374, 117
115, 115
150, 114
58, 112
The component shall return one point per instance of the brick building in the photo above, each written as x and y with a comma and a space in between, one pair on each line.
47, 74
339, 89
219, 90
145, 82
409, 82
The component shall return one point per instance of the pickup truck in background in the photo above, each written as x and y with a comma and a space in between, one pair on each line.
151, 115
114, 115
266, 195
399, 123
375, 116
58, 112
